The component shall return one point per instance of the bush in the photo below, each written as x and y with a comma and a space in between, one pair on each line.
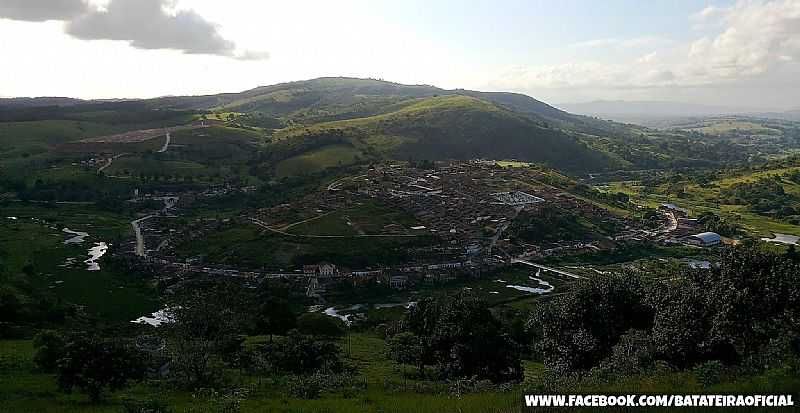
709, 373
312, 386
93, 365
214, 401
145, 406
315, 324
307, 387
298, 354
461, 336
49, 347
634, 354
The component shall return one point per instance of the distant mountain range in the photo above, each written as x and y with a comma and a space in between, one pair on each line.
38, 102
375, 119
650, 112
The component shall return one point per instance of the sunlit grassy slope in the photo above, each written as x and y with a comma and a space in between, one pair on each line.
454, 127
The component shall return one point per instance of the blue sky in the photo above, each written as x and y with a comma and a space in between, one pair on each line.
744, 53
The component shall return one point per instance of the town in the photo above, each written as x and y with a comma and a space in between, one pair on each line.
463, 215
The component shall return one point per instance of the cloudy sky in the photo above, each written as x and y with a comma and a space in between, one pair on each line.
721, 52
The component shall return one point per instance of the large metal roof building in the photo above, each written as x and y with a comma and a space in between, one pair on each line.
705, 239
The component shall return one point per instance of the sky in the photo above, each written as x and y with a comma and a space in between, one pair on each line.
718, 52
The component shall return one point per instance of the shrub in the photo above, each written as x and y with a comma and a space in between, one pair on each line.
316, 324
93, 365
49, 347
709, 373
145, 406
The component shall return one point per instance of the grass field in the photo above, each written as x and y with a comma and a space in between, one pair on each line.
493, 287
317, 160
36, 238
721, 126
37, 136
380, 386
252, 247
368, 218
135, 165
705, 199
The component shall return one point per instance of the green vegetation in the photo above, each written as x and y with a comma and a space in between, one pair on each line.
551, 224
639, 319
457, 127
722, 126
317, 160
760, 199
248, 245
766, 197
368, 218
34, 272
670, 336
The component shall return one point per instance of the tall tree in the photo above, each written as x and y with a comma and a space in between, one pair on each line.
93, 365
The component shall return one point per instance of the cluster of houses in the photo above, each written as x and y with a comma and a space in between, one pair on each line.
685, 229
395, 277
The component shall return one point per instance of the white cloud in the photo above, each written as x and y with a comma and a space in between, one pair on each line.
41, 10
755, 38
143, 24
616, 43
648, 58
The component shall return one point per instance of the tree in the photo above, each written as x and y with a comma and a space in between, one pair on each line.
461, 336
50, 346
633, 354
406, 348
10, 304
93, 365
206, 332
316, 324
274, 315
578, 330
299, 354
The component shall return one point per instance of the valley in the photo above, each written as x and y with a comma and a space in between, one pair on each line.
343, 217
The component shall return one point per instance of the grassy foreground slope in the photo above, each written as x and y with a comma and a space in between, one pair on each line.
381, 388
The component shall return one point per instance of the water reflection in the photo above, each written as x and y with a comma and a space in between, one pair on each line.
78, 238
99, 249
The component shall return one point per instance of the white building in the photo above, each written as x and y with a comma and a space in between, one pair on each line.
705, 239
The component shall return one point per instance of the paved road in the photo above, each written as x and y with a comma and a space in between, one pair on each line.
108, 163
262, 224
169, 203
137, 229
286, 228
334, 186
515, 260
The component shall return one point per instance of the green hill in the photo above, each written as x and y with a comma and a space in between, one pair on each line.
321, 101
311, 125
338, 98
448, 127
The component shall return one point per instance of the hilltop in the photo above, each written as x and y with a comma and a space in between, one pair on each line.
449, 127
308, 126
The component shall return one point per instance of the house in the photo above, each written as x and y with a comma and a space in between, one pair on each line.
398, 282
705, 239
323, 270
327, 270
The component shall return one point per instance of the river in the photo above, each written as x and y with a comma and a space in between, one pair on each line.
548, 288
353, 310
97, 251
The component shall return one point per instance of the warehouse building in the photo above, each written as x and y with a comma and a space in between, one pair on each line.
705, 239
